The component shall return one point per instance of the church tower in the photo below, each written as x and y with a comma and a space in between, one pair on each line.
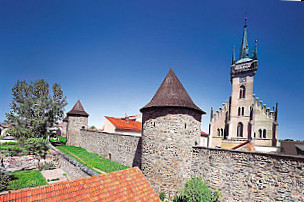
244, 118
242, 76
171, 127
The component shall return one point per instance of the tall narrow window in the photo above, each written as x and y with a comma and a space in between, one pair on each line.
260, 133
242, 91
240, 129
243, 111
264, 133
239, 111
218, 132
222, 132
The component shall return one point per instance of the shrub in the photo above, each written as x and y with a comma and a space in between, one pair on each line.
162, 196
37, 146
197, 190
4, 180
9, 143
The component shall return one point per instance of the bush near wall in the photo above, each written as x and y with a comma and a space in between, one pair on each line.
196, 190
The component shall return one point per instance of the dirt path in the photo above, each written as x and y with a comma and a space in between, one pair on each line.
54, 174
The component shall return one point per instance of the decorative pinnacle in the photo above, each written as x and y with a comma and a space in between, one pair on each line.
255, 52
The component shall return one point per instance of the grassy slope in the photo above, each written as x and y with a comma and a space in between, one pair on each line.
92, 160
29, 178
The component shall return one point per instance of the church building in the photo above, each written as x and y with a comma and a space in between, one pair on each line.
244, 118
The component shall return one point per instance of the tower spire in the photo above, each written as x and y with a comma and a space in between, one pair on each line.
244, 48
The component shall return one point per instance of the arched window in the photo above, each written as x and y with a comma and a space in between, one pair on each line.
264, 133
222, 132
240, 129
260, 133
243, 111
218, 132
242, 91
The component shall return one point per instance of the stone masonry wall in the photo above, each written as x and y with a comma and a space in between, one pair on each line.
75, 124
167, 140
247, 176
123, 149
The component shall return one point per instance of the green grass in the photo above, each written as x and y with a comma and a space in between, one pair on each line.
60, 139
92, 160
28, 178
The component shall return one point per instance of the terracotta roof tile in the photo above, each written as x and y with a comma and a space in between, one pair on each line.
129, 184
121, 124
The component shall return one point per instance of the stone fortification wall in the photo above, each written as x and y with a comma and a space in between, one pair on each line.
167, 139
75, 123
247, 176
123, 149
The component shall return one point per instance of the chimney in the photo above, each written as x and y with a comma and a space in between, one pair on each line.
126, 118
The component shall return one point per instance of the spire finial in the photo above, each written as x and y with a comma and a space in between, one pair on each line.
245, 19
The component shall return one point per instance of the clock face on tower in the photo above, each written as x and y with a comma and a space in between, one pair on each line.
242, 79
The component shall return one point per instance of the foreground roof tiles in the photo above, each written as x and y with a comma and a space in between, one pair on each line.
122, 124
124, 185
78, 110
172, 93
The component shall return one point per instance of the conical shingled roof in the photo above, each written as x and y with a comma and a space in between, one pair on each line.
172, 93
78, 110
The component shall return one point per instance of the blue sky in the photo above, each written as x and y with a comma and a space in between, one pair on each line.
113, 55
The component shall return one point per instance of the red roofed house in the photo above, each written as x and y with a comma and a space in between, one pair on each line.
125, 185
204, 139
126, 125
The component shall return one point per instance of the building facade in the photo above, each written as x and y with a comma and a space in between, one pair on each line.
244, 117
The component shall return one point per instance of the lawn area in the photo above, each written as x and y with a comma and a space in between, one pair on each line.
28, 178
92, 160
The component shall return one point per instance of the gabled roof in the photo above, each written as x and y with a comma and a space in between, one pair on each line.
127, 185
78, 110
122, 124
172, 93
245, 146
203, 134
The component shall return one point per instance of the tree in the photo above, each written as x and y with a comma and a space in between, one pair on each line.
197, 190
33, 109
37, 146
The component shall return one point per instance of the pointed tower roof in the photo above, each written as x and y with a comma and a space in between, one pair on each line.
172, 93
244, 48
78, 110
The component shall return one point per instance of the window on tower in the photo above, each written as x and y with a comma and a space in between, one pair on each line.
242, 92
264, 133
239, 111
243, 111
260, 133
240, 130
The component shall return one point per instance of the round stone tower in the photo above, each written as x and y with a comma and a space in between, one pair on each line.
171, 127
77, 119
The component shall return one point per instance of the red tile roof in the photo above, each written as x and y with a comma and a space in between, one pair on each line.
127, 185
204, 134
245, 146
122, 124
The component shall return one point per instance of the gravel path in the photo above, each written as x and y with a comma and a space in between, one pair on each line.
53, 174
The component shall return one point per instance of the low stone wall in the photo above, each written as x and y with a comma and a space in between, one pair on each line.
123, 149
250, 176
73, 168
